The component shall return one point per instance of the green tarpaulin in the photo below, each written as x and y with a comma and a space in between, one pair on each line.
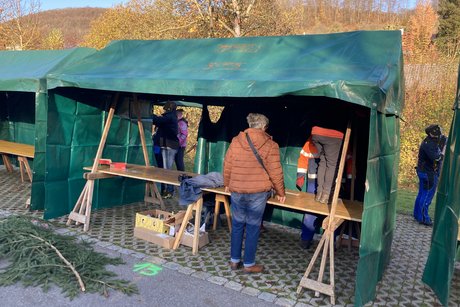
23, 97
297, 81
439, 268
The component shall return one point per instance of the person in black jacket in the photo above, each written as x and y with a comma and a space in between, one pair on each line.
166, 136
428, 168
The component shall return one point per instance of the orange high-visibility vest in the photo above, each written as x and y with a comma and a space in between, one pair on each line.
308, 151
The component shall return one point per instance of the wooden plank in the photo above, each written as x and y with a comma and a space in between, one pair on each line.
458, 230
80, 218
97, 175
105, 132
301, 201
317, 286
17, 149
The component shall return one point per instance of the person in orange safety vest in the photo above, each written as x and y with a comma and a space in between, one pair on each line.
307, 165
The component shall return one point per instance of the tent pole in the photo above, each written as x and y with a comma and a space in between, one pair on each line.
85, 200
327, 241
141, 130
151, 194
353, 168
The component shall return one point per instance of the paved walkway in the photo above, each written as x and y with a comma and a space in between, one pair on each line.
278, 251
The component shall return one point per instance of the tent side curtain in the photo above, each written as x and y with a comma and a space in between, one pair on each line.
439, 268
75, 123
379, 215
21, 71
363, 67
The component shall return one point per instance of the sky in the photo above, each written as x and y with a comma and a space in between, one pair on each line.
60, 4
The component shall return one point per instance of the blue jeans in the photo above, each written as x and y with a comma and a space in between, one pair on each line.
247, 211
426, 190
168, 155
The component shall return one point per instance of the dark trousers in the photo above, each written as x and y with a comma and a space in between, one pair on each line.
427, 188
329, 150
159, 162
179, 159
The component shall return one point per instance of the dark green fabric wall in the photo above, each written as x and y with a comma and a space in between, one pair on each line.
75, 121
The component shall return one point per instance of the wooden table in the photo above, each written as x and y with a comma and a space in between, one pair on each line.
22, 151
299, 201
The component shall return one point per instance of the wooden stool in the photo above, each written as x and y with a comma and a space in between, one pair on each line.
348, 241
197, 207
222, 199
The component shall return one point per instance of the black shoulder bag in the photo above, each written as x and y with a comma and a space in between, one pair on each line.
259, 159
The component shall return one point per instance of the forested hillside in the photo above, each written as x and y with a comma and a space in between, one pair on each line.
53, 29
74, 23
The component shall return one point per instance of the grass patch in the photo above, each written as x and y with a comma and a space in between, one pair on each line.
405, 200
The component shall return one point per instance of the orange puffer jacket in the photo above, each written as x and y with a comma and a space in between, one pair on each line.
244, 174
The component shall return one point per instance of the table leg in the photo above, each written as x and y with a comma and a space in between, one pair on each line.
188, 215
7, 163
196, 235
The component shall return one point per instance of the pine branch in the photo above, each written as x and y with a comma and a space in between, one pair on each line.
82, 285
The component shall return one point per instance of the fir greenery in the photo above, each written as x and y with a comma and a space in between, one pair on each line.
37, 256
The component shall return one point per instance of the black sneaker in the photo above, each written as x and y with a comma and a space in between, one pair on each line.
427, 223
305, 244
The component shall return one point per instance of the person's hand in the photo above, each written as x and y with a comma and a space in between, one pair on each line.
227, 190
281, 199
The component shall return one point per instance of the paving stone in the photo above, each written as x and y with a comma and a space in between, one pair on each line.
137, 255
201, 275
172, 266
156, 260
281, 301
251, 291
268, 297
217, 280
234, 286
186, 271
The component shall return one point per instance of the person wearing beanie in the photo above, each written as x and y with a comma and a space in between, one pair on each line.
166, 138
430, 155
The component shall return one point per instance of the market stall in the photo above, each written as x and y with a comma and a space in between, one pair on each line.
296, 81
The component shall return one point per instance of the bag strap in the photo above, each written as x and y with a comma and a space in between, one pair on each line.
254, 150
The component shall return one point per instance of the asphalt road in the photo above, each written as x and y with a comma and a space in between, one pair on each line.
160, 287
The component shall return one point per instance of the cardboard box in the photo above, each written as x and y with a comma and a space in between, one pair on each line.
159, 221
167, 241
187, 239
161, 239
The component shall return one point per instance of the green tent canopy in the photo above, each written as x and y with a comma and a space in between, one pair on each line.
439, 268
297, 81
23, 99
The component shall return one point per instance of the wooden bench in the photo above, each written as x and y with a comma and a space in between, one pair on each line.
22, 151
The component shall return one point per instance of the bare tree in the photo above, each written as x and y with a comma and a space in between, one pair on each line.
19, 24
